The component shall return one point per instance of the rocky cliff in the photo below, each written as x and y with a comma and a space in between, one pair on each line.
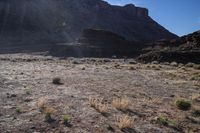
183, 50
63, 20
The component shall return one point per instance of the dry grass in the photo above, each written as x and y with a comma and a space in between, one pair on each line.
48, 113
156, 100
42, 103
102, 108
124, 122
121, 104
98, 104
196, 97
49, 110
196, 84
93, 101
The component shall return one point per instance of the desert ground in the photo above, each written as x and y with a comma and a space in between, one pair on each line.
82, 102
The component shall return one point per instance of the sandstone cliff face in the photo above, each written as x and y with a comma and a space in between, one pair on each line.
64, 20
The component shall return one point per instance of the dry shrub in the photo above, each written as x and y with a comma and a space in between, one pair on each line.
196, 97
48, 113
156, 100
42, 103
124, 122
93, 101
98, 104
102, 108
121, 104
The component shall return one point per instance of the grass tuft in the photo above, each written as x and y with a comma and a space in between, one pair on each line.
48, 113
165, 121
196, 97
66, 119
93, 101
102, 108
196, 111
98, 105
124, 122
121, 104
18, 110
183, 104
42, 103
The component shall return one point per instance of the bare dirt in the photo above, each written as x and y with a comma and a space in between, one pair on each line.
151, 88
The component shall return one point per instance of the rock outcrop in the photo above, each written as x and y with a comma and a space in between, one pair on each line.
183, 50
31, 21
98, 43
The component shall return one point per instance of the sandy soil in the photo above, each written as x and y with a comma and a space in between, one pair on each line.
151, 88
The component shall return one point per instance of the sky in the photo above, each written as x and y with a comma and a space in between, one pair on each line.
178, 16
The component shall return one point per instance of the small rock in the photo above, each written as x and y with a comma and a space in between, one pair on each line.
154, 62
189, 64
180, 65
27, 100
166, 63
11, 95
175, 64
76, 62
132, 62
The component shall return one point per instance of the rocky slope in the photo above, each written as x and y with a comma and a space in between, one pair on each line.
185, 49
44, 21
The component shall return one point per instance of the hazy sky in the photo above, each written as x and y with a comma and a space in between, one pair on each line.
178, 16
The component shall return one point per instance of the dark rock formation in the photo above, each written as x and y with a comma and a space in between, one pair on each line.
101, 38
31, 21
98, 43
183, 50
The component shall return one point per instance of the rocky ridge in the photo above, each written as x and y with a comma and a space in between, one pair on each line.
183, 50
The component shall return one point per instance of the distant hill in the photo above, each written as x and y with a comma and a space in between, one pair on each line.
44, 21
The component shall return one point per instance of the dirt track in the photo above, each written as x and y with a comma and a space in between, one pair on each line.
152, 89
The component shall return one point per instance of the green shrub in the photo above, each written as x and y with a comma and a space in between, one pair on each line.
196, 112
66, 119
183, 104
165, 121
18, 110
